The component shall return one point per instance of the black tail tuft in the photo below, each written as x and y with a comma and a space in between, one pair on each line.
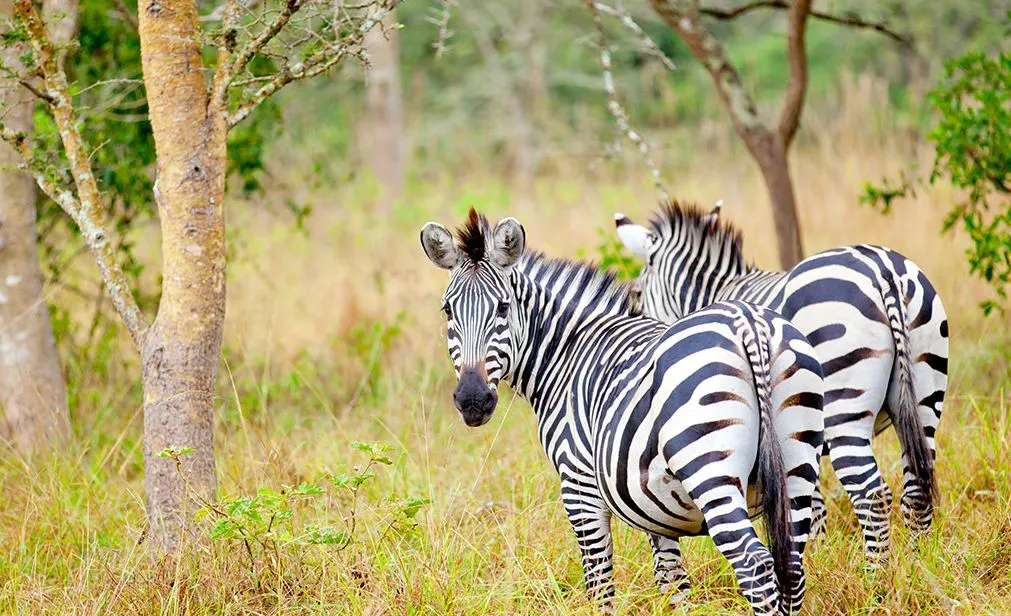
909, 429
775, 503
906, 417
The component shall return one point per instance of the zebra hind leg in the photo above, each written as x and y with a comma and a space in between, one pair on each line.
819, 516
917, 510
735, 537
858, 472
668, 571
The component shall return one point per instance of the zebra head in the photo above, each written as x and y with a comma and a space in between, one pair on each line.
686, 252
477, 304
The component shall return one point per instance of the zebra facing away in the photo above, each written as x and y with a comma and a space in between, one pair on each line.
677, 430
875, 321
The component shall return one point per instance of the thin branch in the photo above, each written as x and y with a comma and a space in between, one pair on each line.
614, 104
851, 20
296, 72
38, 93
648, 44
128, 16
85, 211
223, 74
796, 55
243, 57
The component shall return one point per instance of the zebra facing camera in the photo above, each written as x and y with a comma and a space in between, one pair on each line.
474, 398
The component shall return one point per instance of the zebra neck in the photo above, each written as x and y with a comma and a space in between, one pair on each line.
554, 317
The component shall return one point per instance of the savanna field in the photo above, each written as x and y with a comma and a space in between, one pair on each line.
334, 335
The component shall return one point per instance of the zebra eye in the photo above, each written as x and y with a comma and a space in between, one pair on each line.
447, 311
502, 310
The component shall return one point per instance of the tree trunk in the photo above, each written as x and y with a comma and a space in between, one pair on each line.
771, 156
33, 394
383, 133
180, 352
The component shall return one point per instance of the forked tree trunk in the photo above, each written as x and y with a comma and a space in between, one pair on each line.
769, 147
181, 350
383, 133
33, 395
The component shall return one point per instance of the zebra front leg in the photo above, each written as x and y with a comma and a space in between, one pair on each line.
668, 571
591, 521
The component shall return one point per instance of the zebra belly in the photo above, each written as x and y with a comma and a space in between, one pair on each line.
654, 501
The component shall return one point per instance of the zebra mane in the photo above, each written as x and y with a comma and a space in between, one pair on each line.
701, 229
472, 236
589, 279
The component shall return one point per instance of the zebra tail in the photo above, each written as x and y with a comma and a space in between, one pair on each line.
906, 418
772, 475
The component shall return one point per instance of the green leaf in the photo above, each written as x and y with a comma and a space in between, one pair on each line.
358, 480
324, 535
410, 506
307, 488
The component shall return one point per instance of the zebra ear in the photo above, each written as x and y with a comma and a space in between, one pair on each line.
439, 245
711, 219
637, 238
509, 240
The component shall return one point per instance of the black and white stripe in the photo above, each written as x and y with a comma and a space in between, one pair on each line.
873, 318
677, 430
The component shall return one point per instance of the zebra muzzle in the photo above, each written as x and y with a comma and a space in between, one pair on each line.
474, 398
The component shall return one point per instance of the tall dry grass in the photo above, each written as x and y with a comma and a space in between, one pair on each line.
336, 335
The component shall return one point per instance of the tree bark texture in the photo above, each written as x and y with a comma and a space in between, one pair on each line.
181, 350
767, 147
383, 133
771, 155
33, 393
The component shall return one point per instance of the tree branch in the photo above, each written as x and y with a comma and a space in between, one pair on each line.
684, 18
851, 20
85, 211
223, 73
648, 44
300, 70
35, 91
247, 53
318, 63
796, 55
614, 104
130, 18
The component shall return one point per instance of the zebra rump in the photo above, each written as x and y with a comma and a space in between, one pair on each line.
875, 320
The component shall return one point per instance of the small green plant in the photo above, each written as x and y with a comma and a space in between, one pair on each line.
275, 526
972, 143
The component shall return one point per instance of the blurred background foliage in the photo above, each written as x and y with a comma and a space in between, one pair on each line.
517, 94
524, 75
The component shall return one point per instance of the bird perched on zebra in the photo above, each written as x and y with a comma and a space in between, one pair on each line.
873, 318
677, 430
